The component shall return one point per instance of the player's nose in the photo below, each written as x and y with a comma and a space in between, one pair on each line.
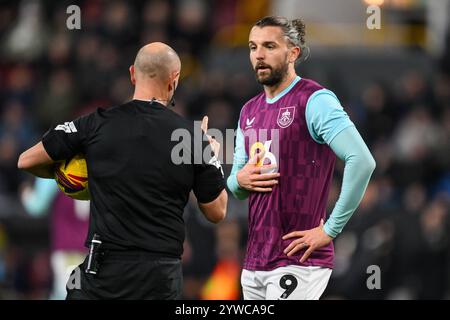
259, 53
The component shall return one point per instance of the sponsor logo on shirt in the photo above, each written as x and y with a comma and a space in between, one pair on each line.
249, 122
269, 157
67, 127
215, 162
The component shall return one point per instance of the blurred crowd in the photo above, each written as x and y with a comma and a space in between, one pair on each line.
49, 74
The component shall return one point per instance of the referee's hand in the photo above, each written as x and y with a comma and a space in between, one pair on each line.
251, 178
215, 146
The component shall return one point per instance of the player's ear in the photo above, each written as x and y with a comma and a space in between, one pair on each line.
294, 54
132, 75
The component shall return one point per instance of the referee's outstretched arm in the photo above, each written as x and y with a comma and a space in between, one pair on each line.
215, 210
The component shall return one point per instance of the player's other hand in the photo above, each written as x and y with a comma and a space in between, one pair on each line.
215, 146
251, 178
312, 239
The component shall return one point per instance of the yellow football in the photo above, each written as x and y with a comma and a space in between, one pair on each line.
72, 178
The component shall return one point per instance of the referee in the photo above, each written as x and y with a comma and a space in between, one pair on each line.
138, 193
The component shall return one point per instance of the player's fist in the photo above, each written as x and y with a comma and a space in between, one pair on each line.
251, 178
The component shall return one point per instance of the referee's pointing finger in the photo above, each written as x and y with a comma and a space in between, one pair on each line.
204, 125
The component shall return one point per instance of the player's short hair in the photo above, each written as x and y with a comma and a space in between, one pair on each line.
293, 30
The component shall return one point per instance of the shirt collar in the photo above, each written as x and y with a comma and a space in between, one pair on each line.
282, 93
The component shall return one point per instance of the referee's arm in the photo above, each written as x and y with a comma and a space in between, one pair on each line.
58, 143
215, 211
36, 161
209, 185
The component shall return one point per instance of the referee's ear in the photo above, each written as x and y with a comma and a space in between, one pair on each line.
132, 75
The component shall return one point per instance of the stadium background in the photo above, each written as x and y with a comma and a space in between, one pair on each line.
394, 83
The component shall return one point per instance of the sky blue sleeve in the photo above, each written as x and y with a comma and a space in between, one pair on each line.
349, 146
239, 160
325, 117
39, 200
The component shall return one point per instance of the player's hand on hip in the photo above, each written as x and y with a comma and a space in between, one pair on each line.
215, 146
312, 239
252, 177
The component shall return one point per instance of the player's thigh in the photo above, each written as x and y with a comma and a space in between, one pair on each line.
317, 283
252, 288
286, 283
297, 283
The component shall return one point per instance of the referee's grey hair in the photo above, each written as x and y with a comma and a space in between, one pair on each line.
293, 30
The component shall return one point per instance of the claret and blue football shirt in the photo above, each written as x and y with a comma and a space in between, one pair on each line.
294, 129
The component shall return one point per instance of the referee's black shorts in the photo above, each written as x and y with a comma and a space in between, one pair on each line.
128, 275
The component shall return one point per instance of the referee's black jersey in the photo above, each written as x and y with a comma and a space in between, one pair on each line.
138, 193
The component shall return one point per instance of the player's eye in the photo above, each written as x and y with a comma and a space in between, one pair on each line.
252, 48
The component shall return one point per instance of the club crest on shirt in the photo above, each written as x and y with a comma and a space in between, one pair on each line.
285, 116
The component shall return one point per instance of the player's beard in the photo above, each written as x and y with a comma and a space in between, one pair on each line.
274, 77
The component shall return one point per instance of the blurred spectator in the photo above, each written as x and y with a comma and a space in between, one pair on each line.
379, 117
59, 99
15, 123
224, 282
27, 38
68, 228
199, 255
9, 176
156, 13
